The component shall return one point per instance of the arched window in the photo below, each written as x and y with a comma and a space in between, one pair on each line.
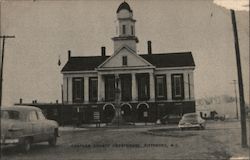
123, 29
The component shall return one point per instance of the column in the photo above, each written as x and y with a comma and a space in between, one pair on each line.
100, 88
169, 86
152, 86
70, 90
64, 89
134, 87
186, 87
191, 78
86, 89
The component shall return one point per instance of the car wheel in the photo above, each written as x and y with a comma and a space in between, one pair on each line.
52, 141
202, 127
26, 145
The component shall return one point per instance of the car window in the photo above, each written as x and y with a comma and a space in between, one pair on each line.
174, 116
32, 116
7, 114
192, 116
40, 115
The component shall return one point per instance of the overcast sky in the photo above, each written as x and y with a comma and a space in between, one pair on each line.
46, 29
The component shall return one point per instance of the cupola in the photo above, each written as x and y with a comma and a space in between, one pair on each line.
125, 28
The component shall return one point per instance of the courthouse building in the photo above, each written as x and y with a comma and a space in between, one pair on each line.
144, 86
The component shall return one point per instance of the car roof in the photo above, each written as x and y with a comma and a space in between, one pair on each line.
20, 108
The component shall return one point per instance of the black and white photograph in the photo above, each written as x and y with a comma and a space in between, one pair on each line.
124, 80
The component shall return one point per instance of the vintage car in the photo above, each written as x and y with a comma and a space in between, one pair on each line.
191, 120
170, 119
24, 125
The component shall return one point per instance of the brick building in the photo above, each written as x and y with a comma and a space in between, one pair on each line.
142, 86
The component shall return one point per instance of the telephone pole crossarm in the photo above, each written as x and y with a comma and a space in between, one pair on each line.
7, 37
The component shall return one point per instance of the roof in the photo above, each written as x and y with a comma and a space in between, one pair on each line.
124, 5
163, 60
160, 60
19, 108
84, 63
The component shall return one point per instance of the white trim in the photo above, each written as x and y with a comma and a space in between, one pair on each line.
108, 59
124, 46
126, 68
125, 71
77, 72
141, 104
117, 52
126, 104
107, 105
176, 68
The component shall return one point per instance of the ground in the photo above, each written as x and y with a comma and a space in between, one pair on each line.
220, 140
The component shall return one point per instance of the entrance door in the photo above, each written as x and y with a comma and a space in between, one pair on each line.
142, 113
108, 113
126, 87
126, 112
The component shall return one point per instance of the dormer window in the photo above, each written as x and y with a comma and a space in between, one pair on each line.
124, 60
123, 29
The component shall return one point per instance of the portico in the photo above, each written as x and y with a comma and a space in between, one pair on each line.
127, 84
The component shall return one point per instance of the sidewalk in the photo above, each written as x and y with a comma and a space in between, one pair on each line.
71, 128
240, 158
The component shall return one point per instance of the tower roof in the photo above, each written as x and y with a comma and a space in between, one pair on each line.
124, 5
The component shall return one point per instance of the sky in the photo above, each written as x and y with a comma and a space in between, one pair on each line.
46, 29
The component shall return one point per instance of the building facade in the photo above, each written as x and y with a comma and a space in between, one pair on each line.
144, 87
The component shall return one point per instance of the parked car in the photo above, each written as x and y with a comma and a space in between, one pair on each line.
170, 118
219, 117
191, 120
24, 125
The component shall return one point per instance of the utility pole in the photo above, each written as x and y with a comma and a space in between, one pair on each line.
236, 99
240, 83
1, 71
1, 78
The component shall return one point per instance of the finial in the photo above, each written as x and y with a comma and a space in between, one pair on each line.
59, 61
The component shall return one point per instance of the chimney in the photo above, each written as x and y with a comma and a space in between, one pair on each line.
69, 54
149, 47
21, 101
103, 51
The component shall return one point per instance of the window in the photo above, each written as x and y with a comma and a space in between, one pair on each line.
93, 87
32, 116
126, 87
124, 60
109, 88
40, 115
160, 86
177, 86
123, 29
143, 86
7, 114
78, 92
132, 30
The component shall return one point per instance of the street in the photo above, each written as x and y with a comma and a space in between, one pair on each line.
220, 140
